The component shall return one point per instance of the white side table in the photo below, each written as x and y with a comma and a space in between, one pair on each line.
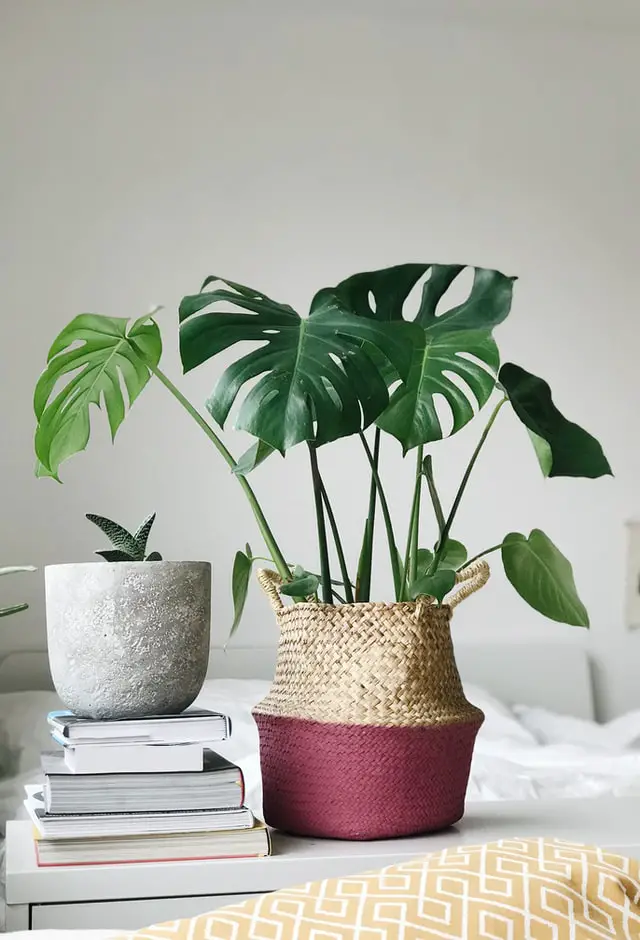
131, 896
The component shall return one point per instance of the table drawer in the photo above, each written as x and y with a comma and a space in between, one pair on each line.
126, 915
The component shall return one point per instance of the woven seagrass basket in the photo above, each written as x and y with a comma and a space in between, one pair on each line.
366, 732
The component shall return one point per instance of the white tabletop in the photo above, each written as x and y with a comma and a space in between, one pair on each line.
613, 824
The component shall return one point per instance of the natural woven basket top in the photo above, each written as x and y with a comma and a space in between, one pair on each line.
367, 663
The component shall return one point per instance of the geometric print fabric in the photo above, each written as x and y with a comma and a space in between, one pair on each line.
513, 889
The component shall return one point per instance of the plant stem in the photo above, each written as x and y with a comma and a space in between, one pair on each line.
338, 544
411, 552
416, 519
487, 551
276, 555
325, 571
433, 493
365, 561
384, 506
463, 485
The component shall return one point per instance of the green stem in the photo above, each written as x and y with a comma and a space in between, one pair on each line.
416, 519
411, 551
276, 555
384, 506
365, 561
325, 571
487, 551
463, 485
338, 544
433, 493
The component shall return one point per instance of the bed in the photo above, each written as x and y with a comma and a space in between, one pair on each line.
540, 739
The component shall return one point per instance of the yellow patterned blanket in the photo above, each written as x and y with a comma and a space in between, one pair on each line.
533, 889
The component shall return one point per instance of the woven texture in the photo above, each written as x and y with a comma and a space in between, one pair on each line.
363, 781
515, 889
372, 664
366, 732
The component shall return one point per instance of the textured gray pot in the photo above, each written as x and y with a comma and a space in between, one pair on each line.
128, 638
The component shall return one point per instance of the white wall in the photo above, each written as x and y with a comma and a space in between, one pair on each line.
147, 143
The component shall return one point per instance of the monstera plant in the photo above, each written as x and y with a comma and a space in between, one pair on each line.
358, 364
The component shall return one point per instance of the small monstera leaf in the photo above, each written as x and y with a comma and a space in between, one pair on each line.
543, 577
451, 348
435, 585
95, 356
304, 584
317, 377
563, 448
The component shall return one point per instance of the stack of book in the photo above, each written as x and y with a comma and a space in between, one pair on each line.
141, 790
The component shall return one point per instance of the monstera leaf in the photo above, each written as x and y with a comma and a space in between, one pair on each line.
317, 379
452, 348
563, 448
435, 585
543, 577
95, 356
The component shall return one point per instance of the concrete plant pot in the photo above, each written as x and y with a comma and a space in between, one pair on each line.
128, 639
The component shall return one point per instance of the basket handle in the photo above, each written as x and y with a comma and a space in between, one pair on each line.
270, 581
472, 578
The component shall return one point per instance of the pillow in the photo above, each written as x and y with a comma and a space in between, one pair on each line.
512, 888
550, 728
500, 723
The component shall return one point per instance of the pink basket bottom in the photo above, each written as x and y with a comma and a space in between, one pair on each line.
363, 781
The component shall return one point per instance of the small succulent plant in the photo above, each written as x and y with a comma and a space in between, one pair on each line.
14, 608
126, 547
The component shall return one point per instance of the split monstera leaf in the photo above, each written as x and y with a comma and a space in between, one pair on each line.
358, 360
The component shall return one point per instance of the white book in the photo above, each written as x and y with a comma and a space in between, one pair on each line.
132, 758
195, 725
